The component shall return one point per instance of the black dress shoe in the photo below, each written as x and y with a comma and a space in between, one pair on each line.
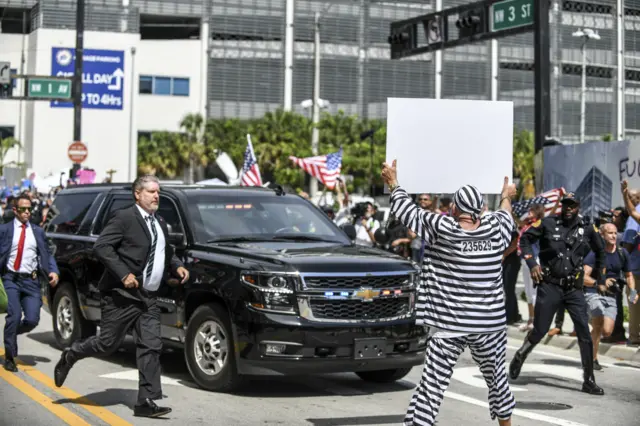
150, 409
589, 386
62, 368
10, 365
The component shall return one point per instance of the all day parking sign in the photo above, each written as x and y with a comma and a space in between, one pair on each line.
102, 76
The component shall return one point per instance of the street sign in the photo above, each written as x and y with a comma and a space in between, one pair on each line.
77, 152
5, 72
511, 14
102, 76
49, 88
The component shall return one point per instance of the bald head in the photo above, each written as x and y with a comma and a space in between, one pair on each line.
610, 234
634, 194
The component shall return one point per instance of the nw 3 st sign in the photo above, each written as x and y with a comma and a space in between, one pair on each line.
102, 76
511, 14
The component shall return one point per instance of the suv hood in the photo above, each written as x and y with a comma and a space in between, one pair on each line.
313, 257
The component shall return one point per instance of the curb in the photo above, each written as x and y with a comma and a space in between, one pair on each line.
620, 352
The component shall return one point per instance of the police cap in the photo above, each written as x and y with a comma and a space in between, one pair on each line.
570, 199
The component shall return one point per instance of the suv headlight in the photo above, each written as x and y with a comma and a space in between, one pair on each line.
271, 291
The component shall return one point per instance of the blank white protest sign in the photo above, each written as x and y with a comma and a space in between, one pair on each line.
443, 144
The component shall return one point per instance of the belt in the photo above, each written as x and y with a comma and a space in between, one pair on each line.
33, 274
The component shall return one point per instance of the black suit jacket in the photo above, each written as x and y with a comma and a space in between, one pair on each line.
123, 248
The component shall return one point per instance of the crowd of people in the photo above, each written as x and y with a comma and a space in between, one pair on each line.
619, 230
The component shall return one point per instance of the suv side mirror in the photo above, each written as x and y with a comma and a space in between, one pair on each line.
176, 239
350, 230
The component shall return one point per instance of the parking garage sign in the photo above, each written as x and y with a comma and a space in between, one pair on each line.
102, 76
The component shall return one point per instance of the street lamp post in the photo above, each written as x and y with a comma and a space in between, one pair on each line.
586, 34
315, 135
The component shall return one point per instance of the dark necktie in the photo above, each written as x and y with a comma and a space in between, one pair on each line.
23, 235
152, 252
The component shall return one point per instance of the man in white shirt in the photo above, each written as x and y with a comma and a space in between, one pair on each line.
366, 229
133, 275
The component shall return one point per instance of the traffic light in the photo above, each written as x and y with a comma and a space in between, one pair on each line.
6, 90
402, 40
471, 23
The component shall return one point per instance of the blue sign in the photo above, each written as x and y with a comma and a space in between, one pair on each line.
102, 76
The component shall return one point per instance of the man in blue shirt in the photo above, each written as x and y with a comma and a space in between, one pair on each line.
601, 299
631, 242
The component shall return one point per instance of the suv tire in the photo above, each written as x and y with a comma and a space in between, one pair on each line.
209, 338
384, 376
68, 323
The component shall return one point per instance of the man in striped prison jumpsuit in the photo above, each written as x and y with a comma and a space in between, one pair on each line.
461, 298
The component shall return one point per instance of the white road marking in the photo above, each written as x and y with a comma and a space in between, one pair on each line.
473, 377
577, 359
133, 376
517, 412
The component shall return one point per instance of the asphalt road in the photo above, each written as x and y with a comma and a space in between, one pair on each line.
102, 391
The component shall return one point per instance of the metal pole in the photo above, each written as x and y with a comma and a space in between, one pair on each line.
288, 54
362, 58
77, 76
132, 137
20, 137
583, 105
542, 74
315, 135
495, 53
371, 170
620, 83
437, 84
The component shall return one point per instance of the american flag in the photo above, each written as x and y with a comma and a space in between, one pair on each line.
325, 168
250, 169
549, 199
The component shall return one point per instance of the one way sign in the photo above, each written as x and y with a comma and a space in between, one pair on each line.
5, 72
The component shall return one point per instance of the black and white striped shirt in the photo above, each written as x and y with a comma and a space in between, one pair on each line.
461, 287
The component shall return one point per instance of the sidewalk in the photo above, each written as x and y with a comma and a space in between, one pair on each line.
619, 351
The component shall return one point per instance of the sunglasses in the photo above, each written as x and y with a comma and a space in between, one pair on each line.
425, 199
24, 209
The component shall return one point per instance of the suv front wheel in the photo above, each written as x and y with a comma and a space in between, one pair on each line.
208, 350
68, 323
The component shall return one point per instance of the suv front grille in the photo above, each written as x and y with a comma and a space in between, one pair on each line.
359, 310
389, 281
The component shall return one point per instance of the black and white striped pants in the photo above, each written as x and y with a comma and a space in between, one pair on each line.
489, 351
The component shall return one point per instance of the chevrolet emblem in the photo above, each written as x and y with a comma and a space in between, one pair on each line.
366, 294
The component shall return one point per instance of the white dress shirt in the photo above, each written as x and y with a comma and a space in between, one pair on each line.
362, 236
29, 262
155, 279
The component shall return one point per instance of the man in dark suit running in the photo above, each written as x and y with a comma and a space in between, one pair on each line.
24, 257
134, 249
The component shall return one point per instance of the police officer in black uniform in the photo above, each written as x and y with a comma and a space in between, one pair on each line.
565, 241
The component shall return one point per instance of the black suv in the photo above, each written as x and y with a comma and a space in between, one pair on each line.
275, 286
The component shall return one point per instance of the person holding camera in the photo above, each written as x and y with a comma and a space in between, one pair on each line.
366, 226
601, 299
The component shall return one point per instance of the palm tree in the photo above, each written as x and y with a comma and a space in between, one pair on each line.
191, 148
6, 145
523, 155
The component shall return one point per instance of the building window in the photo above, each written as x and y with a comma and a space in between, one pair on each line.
181, 87
155, 85
162, 86
146, 84
7, 132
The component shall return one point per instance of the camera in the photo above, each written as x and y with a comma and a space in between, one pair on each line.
605, 216
359, 211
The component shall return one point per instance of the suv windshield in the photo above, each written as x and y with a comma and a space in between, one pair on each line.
258, 217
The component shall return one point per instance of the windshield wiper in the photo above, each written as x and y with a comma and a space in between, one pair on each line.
236, 239
302, 238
